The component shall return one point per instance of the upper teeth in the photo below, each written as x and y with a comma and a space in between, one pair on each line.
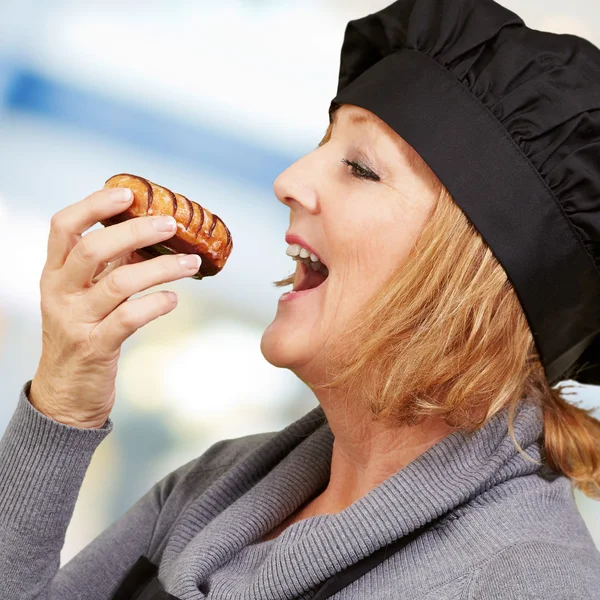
297, 252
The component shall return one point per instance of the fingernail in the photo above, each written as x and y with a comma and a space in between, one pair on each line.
191, 261
120, 194
164, 224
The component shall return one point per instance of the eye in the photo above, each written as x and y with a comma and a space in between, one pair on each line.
359, 171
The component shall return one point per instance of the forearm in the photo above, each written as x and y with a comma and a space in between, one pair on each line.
42, 467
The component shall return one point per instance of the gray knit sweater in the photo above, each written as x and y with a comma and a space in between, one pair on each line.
511, 529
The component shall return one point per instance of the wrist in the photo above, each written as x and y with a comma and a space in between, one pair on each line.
41, 397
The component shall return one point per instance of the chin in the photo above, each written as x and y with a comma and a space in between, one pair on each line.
278, 348
284, 346
294, 340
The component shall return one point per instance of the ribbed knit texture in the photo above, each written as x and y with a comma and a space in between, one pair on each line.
510, 528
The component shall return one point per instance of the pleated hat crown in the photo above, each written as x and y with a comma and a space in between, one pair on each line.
508, 118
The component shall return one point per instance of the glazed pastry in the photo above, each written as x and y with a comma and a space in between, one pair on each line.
198, 230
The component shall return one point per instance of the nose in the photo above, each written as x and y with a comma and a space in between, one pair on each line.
296, 187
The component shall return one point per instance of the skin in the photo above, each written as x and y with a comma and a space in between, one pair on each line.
87, 310
362, 229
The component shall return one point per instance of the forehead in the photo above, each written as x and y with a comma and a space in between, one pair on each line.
354, 115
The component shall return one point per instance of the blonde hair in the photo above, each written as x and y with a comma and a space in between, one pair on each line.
447, 337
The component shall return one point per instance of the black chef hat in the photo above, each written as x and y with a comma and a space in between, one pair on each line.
508, 118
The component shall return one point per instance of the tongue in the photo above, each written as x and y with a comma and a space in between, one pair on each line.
311, 279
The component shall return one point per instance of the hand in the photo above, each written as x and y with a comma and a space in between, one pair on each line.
85, 288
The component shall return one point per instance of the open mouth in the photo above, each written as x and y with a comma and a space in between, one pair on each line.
311, 272
307, 278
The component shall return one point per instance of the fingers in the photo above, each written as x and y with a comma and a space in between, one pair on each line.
67, 225
110, 333
127, 280
110, 243
105, 268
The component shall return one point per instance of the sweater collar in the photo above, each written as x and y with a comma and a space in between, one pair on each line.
276, 478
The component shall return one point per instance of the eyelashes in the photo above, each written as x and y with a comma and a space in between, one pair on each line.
360, 171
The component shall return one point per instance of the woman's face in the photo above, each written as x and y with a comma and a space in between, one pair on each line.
357, 204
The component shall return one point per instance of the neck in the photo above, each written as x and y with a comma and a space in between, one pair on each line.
365, 453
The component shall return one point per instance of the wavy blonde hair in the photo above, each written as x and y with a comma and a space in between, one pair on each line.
447, 337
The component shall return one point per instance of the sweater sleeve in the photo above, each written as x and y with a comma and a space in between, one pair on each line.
42, 466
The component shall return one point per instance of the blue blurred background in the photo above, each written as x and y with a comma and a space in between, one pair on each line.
212, 100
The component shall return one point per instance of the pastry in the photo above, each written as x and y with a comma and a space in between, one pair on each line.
198, 230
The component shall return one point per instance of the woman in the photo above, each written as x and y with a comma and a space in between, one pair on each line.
440, 461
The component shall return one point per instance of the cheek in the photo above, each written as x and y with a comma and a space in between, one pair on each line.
369, 247
369, 237
368, 251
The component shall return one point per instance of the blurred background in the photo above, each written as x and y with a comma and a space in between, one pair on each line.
210, 99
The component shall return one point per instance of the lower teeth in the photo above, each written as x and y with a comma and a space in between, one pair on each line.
315, 266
